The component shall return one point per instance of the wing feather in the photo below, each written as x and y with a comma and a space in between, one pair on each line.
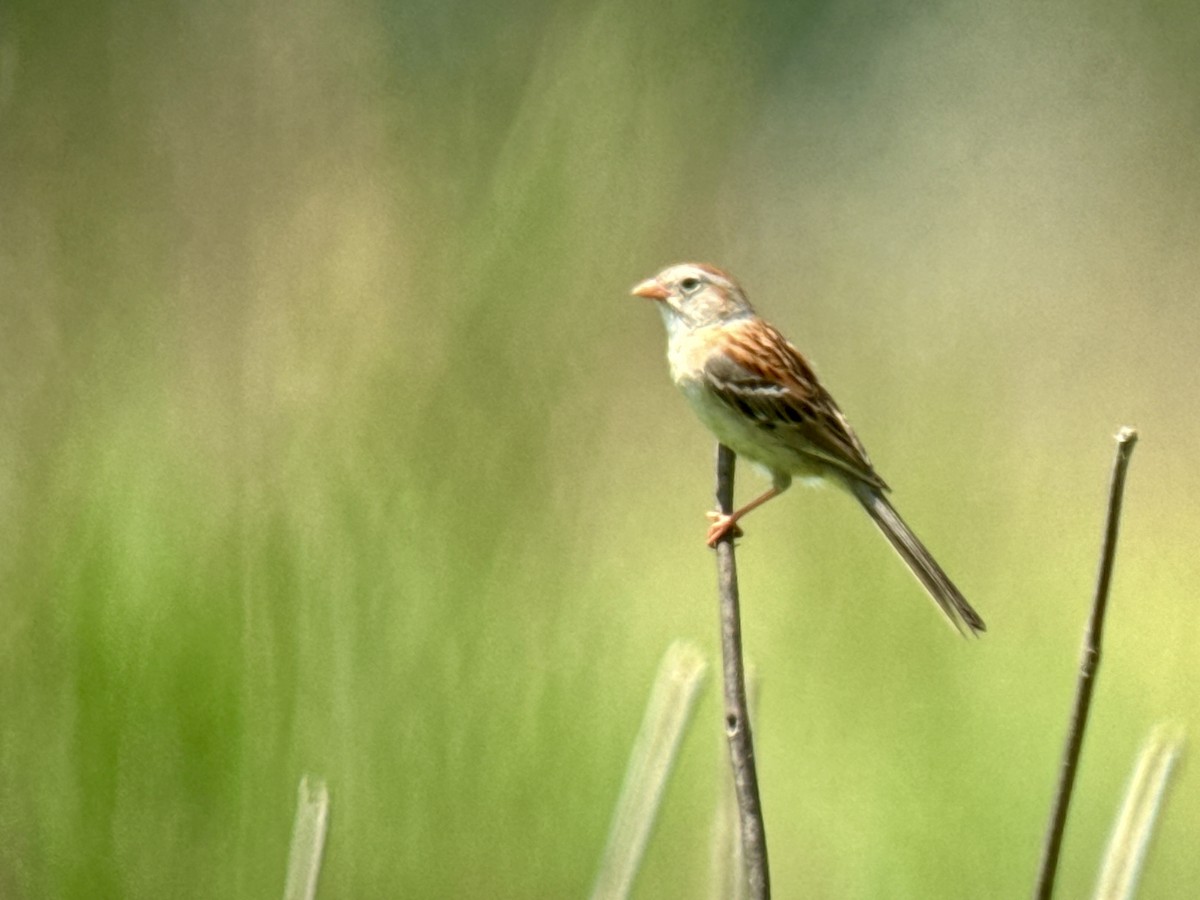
766, 380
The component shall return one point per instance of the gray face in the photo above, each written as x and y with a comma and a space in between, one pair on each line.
695, 295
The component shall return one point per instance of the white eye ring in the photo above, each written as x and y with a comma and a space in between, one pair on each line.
690, 284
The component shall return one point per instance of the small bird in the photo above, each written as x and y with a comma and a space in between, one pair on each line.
762, 399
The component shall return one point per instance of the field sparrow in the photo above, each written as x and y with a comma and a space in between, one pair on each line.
762, 399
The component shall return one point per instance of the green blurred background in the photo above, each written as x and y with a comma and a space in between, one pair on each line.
331, 441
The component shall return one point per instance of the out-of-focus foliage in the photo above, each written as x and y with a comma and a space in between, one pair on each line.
331, 443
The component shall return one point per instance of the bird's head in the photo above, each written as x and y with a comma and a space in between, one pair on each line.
693, 295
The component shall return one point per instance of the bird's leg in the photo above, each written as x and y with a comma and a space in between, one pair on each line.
724, 524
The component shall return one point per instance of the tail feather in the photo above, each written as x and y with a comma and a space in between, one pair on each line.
952, 603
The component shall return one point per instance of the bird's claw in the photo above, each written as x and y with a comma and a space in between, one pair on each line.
722, 525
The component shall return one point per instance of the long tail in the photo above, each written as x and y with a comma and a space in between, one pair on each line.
923, 565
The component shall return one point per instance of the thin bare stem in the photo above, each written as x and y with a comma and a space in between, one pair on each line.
1089, 665
737, 714
728, 881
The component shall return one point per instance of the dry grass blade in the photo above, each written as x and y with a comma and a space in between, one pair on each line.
1135, 825
667, 714
308, 840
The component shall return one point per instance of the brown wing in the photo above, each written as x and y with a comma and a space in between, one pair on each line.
766, 379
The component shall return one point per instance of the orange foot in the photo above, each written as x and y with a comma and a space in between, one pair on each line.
721, 526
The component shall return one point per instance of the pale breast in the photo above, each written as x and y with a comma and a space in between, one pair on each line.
749, 440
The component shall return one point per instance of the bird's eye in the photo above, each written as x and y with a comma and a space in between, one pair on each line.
689, 284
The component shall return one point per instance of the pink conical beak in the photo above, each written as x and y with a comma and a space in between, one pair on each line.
651, 290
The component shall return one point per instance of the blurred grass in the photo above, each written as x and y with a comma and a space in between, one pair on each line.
330, 442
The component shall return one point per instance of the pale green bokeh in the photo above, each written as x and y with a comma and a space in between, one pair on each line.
331, 443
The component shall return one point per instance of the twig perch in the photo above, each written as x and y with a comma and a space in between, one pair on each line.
737, 715
1089, 664
728, 881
